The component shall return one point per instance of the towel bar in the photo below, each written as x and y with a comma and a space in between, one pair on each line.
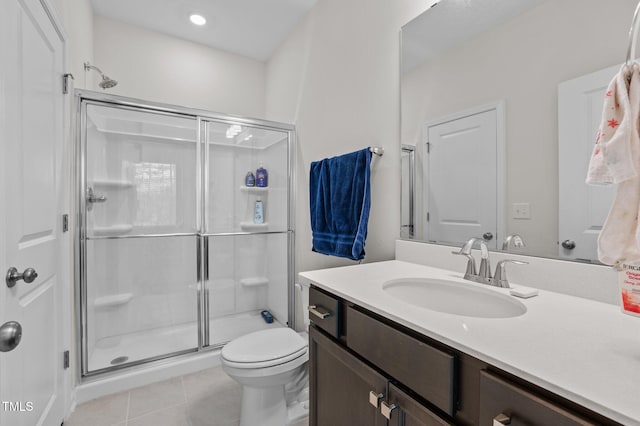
376, 150
633, 32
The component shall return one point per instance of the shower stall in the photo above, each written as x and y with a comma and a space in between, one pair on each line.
170, 259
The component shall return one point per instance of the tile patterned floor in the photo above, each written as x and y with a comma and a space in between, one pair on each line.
205, 398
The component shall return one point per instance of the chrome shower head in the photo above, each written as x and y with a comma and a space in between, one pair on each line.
106, 83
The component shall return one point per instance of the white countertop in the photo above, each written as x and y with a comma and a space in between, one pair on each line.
585, 351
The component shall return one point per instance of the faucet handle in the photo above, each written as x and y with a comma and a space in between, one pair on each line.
485, 267
500, 277
470, 273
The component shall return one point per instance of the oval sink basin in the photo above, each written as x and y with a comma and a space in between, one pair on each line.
454, 298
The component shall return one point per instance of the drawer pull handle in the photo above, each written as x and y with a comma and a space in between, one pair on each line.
386, 409
315, 310
375, 397
501, 420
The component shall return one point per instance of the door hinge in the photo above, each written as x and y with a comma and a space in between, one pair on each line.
65, 222
65, 82
428, 147
65, 361
427, 216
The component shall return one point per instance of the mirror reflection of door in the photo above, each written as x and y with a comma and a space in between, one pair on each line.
582, 209
462, 199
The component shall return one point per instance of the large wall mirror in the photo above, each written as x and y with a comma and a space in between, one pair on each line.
501, 103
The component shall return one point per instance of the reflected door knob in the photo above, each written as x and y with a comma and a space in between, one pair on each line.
10, 336
569, 244
13, 276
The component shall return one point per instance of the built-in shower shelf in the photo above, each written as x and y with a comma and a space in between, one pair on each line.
254, 189
254, 281
113, 300
112, 183
250, 226
112, 230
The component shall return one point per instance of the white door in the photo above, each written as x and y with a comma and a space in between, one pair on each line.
31, 138
463, 201
582, 208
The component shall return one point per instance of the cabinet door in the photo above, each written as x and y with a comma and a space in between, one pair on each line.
340, 386
502, 402
409, 412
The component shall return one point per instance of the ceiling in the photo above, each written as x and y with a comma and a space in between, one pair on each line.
430, 34
252, 28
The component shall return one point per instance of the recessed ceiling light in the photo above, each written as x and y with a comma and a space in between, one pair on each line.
197, 19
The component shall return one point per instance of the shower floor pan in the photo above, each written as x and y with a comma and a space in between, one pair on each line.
133, 347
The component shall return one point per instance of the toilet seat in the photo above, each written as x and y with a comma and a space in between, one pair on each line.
265, 348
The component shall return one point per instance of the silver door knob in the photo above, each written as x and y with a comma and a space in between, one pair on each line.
568, 244
487, 236
10, 335
13, 276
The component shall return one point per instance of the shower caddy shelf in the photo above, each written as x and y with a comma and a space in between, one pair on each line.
254, 281
255, 189
112, 183
250, 226
112, 300
119, 229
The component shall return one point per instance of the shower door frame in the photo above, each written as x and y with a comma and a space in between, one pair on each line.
84, 98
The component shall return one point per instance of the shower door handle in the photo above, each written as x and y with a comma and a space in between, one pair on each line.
93, 198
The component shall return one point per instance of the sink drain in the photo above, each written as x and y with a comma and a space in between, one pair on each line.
119, 360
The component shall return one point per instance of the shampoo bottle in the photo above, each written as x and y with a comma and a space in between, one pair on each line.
258, 213
262, 178
249, 179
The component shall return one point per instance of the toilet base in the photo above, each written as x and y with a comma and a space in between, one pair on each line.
263, 406
267, 407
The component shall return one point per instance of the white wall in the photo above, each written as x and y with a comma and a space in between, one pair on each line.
336, 77
77, 17
522, 62
156, 67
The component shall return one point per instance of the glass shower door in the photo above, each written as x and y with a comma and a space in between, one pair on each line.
140, 239
248, 232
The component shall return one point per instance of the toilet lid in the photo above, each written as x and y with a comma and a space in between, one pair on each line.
265, 348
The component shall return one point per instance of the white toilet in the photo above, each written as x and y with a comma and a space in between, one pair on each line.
271, 366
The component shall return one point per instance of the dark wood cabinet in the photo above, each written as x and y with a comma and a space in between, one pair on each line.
410, 412
428, 371
341, 386
503, 402
368, 370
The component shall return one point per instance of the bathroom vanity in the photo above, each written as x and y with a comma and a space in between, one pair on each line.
379, 360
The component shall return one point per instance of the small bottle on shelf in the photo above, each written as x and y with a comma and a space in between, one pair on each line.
258, 213
249, 179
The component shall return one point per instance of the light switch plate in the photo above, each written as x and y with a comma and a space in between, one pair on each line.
521, 211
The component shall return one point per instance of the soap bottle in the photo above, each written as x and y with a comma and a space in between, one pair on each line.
249, 179
262, 178
258, 213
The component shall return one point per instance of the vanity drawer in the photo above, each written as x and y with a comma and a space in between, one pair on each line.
426, 370
324, 312
503, 402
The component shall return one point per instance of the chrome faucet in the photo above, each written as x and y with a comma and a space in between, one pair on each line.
483, 276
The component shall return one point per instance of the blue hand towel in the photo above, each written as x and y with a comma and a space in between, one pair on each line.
340, 197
